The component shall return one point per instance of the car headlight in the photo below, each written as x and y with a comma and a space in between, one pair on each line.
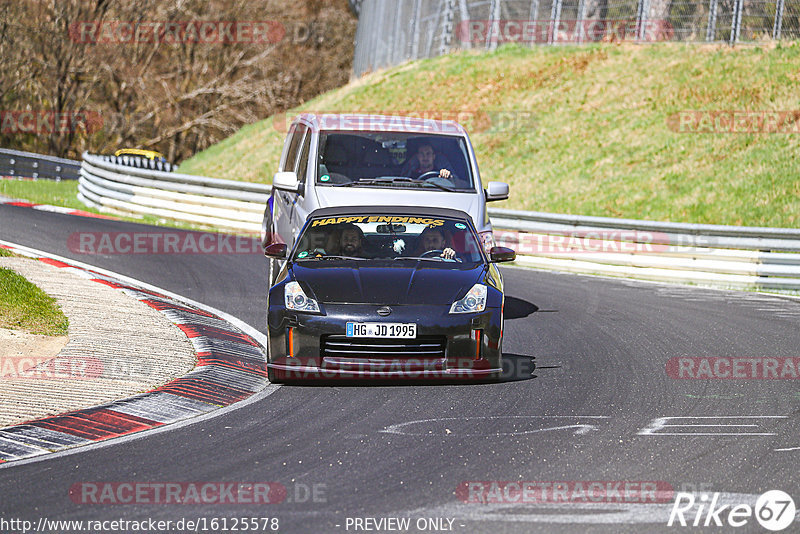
296, 299
473, 301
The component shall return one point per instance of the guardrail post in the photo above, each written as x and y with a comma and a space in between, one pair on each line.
494, 18
711, 29
643, 11
736, 22
579, 21
415, 23
555, 20
447, 27
776, 27
533, 17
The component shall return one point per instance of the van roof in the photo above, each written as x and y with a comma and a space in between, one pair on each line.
365, 122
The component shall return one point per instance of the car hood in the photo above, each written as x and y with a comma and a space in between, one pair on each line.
370, 196
352, 282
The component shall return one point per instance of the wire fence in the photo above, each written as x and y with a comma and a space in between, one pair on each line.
392, 31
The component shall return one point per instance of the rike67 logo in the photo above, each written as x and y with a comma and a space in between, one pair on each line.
774, 510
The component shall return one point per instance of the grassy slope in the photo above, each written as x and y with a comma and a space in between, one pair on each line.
26, 307
600, 144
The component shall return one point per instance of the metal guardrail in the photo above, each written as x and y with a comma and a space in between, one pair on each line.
702, 254
195, 199
29, 165
713, 255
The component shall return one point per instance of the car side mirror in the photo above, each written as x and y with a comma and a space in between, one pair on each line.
496, 191
286, 181
276, 250
501, 254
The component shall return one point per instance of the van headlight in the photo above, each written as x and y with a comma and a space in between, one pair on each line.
296, 299
474, 301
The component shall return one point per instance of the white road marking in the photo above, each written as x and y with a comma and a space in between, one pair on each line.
580, 427
662, 422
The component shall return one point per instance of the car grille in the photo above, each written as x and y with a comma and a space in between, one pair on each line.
422, 347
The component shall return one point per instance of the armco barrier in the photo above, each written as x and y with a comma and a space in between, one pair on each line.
709, 255
196, 199
29, 165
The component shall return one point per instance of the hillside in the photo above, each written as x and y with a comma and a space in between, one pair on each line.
609, 130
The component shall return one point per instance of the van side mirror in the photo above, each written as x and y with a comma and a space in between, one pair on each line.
496, 191
286, 181
276, 250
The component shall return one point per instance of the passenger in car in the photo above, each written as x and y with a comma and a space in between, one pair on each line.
351, 240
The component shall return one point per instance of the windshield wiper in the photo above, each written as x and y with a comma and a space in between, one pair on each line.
392, 180
365, 181
426, 182
329, 257
417, 258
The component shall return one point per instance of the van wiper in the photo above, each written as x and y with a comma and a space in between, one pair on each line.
393, 180
365, 181
407, 180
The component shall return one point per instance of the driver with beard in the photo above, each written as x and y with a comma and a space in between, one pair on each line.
433, 239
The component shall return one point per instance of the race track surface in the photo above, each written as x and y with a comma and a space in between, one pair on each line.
587, 413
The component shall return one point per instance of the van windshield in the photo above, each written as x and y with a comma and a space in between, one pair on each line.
381, 159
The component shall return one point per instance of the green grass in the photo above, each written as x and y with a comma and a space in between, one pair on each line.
23, 306
62, 193
65, 193
600, 142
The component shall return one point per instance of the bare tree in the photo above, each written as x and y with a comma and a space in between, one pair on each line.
153, 90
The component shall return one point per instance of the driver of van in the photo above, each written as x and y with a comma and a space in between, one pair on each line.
427, 160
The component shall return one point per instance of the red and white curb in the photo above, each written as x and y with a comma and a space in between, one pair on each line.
53, 209
231, 367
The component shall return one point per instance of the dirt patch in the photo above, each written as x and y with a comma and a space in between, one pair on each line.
17, 344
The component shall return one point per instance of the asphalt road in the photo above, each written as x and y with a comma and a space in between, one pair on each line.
589, 412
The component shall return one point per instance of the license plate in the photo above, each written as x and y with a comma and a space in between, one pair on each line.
396, 330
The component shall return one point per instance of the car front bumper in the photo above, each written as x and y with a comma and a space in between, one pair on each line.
450, 346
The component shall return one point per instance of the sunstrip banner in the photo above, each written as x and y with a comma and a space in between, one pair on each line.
392, 219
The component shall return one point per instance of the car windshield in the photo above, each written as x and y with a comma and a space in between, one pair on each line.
381, 159
390, 238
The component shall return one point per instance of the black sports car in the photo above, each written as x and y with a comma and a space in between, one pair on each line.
380, 291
